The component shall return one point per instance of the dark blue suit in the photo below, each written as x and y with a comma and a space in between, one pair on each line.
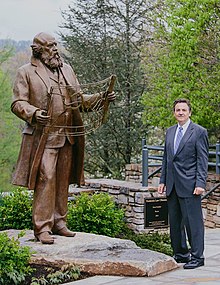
181, 173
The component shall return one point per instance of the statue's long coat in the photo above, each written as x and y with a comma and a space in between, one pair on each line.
31, 92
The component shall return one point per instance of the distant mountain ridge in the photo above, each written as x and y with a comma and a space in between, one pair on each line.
17, 45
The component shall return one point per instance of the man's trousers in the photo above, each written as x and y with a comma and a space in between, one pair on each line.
185, 216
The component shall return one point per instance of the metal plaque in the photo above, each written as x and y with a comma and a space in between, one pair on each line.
156, 213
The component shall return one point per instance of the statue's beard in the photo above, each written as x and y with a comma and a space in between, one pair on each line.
52, 61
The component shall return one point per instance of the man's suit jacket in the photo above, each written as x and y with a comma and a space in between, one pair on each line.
188, 168
31, 92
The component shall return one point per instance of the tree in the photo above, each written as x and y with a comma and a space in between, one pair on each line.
185, 63
16, 53
9, 128
104, 37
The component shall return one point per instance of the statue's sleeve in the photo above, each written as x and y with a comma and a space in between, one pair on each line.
21, 105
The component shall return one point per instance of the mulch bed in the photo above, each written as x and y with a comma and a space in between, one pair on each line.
40, 270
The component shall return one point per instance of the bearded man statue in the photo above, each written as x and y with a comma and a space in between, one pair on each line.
52, 149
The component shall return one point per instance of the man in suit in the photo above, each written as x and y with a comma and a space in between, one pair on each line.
48, 98
183, 177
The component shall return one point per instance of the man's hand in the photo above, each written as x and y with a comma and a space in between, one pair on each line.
111, 96
41, 117
198, 191
161, 188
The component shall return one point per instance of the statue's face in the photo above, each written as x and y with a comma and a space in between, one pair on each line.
50, 55
50, 48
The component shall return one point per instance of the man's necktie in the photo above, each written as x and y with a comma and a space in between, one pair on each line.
178, 139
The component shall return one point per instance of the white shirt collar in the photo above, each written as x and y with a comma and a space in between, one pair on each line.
185, 126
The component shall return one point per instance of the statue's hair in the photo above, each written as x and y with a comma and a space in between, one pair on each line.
39, 41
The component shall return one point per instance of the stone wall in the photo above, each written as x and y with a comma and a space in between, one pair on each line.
211, 205
130, 195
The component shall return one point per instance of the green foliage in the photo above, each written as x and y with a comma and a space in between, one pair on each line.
184, 63
155, 241
67, 272
106, 37
14, 261
10, 136
16, 210
96, 214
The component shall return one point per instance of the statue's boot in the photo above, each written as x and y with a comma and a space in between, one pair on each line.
64, 232
45, 238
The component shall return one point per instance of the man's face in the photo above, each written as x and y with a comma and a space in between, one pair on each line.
182, 113
50, 55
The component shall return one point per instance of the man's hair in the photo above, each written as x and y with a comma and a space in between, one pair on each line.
182, 100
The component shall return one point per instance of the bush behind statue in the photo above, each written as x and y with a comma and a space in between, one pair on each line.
96, 214
16, 210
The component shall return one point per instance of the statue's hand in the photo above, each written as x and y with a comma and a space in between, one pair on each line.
41, 117
111, 96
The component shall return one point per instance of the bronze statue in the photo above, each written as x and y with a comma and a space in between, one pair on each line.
48, 97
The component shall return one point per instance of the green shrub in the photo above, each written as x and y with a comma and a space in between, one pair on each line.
16, 210
67, 273
96, 214
14, 260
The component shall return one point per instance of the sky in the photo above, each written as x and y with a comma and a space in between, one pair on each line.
23, 19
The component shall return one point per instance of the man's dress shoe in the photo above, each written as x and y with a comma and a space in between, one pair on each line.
182, 259
64, 232
45, 238
194, 263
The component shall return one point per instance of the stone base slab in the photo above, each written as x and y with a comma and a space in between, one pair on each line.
98, 255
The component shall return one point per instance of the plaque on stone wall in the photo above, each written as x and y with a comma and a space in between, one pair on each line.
156, 213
